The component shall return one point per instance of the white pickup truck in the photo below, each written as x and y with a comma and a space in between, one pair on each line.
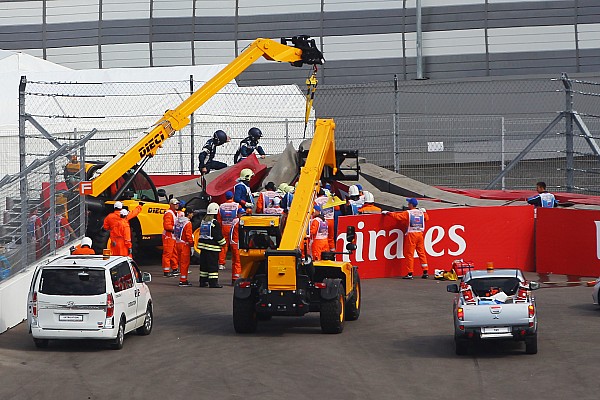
494, 305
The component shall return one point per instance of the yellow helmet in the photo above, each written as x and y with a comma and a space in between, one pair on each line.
246, 174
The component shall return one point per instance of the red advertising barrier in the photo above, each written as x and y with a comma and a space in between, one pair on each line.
567, 242
502, 235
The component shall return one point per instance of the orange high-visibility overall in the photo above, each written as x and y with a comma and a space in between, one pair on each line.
319, 236
227, 213
413, 223
236, 265
184, 241
169, 257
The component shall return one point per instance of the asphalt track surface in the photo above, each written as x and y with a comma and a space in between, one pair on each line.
400, 348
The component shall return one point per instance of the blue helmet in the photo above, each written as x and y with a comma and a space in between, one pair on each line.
220, 137
229, 194
255, 133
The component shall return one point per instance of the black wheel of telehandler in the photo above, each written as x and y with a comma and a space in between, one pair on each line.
332, 314
244, 315
99, 241
353, 303
263, 317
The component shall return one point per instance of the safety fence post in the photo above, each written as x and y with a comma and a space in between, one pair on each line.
192, 126
287, 132
52, 211
569, 130
395, 128
82, 178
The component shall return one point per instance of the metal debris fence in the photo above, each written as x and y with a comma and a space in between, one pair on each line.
463, 134
455, 134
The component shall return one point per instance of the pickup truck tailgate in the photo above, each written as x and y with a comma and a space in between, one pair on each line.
496, 320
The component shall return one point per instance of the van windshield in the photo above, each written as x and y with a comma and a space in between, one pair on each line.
73, 281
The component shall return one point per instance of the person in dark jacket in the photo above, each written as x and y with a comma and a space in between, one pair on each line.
249, 145
543, 198
210, 242
208, 152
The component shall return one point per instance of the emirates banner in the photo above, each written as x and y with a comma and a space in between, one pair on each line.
502, 235
568, 242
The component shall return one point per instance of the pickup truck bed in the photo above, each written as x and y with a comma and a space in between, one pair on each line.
496, 305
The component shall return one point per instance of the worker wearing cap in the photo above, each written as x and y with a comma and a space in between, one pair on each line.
369, 207
210, 242
169, 257
413, 223
318, 233
234, 240
227, 213
361, 195
184, 241
265, 198
85, 248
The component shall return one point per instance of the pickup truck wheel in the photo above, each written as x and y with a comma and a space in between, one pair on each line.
461, 347
353, 304
148, 321
244, 315
531, 344
40, 343
332, 314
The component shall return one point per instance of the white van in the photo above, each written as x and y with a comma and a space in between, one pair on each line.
89, 297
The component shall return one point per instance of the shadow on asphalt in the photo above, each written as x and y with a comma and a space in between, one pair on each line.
442, 346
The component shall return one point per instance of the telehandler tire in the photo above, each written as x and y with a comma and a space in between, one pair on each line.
353, 304
332, 314
244, 315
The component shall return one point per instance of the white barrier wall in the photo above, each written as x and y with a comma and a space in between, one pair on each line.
13, 294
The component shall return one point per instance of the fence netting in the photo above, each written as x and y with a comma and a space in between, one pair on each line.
459, 134
40, 214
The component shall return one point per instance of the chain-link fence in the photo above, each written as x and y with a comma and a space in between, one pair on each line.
39, 213
464, 134
123, 111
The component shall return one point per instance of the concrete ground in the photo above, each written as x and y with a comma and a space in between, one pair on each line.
400, 348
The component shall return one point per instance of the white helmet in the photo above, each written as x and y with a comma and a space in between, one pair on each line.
369, 197
353, 191
212, 209
118, 205
124, 213
246, 174
86, 241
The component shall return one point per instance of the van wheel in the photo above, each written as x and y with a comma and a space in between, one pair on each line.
148, 322
117, 343
531, 344
40, 343
332, 314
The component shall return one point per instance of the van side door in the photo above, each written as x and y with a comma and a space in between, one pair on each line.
142, 293
125, 295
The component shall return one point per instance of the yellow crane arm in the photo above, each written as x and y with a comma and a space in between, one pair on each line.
321, 154
174, 120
